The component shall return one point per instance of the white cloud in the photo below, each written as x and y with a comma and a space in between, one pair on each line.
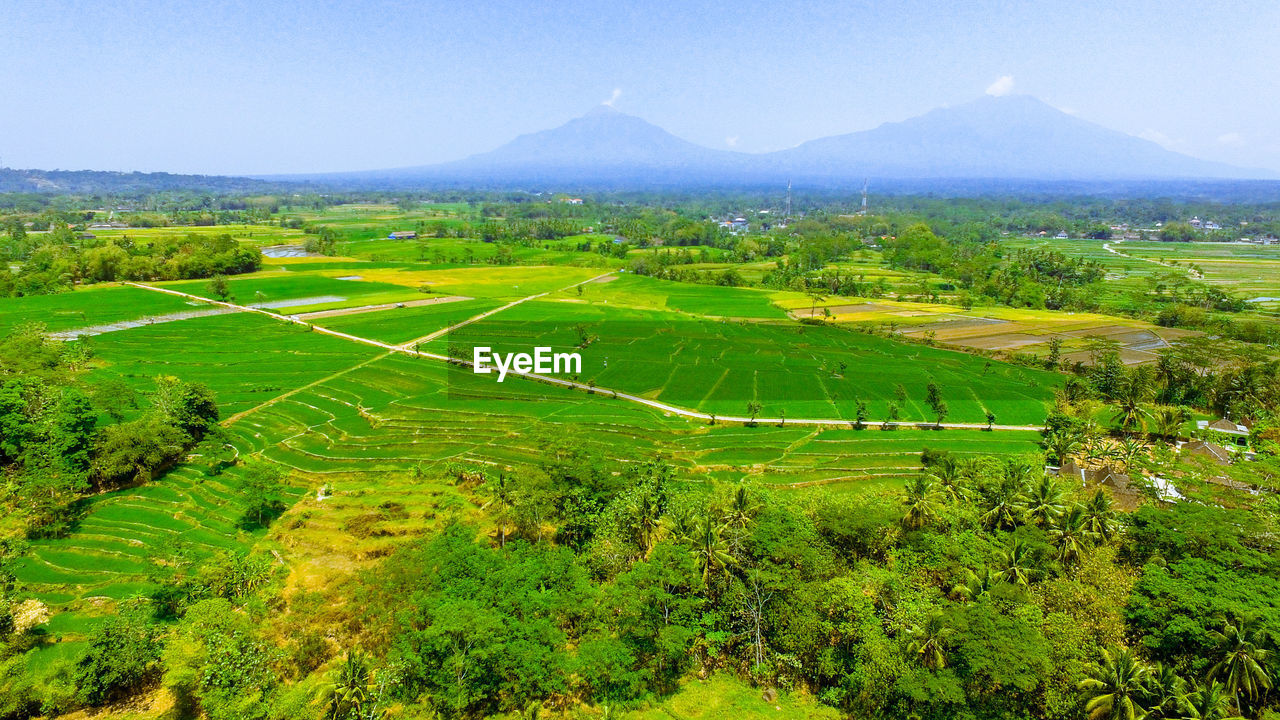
617, 93
731, 141
1231, 138
1002, 86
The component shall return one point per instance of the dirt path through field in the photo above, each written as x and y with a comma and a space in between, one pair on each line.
570, 384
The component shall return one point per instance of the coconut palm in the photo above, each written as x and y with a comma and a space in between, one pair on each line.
928, 642
1100, 516
742, 508
349, 689
710, 549
949, 476
1070, 535
1130, 413
922, 502
1016, 563
648, 514
1129, 450
1062, 444
1042, 502
1114, 686
1209, 702
1168, 421
501, 499
679, 524
1242, 667
975, 585
1166, 693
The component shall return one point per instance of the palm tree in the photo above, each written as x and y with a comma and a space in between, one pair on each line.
1130, 414
1242, 667
1114, 686
502, 498
1016, 563
349, 689
975, 585
1169, 420
742, 509
928, 642
1042, 502
949, 478
921, 500
648, 515
1209, 702
1062, 444
680, 524
1070, 535
710, 549
1100, 516
1129, 450
1166, 692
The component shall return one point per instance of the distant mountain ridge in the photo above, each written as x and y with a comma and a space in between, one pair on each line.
1011, 137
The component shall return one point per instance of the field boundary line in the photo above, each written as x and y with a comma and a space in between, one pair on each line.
609, 392
432, 336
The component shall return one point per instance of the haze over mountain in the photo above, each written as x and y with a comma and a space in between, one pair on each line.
1011, 137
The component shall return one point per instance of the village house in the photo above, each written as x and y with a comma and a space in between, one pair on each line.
402, 235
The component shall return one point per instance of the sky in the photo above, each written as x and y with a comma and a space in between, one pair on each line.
262, 86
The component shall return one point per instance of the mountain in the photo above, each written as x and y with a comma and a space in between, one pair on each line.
993, 138
1014, 136
93, 182
602, 146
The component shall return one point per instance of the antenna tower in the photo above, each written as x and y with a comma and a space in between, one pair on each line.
864, 198
788, 214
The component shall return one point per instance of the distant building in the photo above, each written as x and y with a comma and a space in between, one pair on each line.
1223, 425
402, 235
571, 201
1062, 236
1215, 452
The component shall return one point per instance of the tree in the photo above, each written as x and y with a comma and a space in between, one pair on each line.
1210, 701
991, 420
710, 549
921, 500
264, 492
1242, 663
1017, 566
936, 403
1043, 501
860, 415
1070, 535
119, 658
220, 289
928, 641
349, 690
1100, 516
1169, 420
753, 409
1114, 686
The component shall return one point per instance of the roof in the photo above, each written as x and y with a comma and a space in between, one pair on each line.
1224, 425
1202, 447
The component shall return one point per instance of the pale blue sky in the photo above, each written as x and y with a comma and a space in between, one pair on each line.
258, 86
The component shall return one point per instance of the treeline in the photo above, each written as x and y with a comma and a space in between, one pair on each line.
55, 261
62, 437
987, 590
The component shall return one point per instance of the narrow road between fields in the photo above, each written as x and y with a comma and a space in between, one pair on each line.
407, 349
1191, 272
